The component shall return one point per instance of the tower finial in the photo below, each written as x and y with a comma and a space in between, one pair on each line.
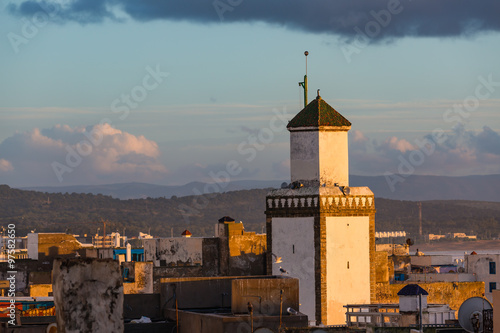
304, 84
318, 95
306, 53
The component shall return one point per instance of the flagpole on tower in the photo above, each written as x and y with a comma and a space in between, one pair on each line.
304, 83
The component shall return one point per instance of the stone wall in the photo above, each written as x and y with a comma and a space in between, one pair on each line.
382, 269
401, 263
432, 260
211, 257
247, 254
451, 293
393, 249
88, 295
268, 290
196, 292
496, 314
40, 277
210, 266
441, 277
239, 254
23, 269
137, 305
40, 290
173, 272
190, 322
140, 277
57, 245
179, 251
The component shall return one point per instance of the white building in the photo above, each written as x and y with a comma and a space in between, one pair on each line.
390, 234
484, 267
323, 230
143, 235
453, 235
412, 298
112, 240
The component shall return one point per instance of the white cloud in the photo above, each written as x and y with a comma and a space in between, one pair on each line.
102, 154
400, 145
5, 165
461, 152
63, 155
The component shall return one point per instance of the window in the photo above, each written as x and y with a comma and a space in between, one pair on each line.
493, 286
493, 267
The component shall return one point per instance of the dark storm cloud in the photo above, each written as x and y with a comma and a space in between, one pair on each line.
86, 11
421, 18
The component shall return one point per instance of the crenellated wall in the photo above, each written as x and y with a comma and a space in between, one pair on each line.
328, 203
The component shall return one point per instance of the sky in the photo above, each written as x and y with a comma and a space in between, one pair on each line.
169, 92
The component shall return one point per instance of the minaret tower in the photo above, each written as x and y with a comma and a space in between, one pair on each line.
323, 230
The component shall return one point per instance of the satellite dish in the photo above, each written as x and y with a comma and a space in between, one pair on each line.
410, 242
346, 190
52, 328
470, 314
263, 330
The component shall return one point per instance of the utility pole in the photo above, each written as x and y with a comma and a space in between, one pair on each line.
104, 234
420, 218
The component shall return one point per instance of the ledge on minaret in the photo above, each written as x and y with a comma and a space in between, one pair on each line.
311, 200
320, 190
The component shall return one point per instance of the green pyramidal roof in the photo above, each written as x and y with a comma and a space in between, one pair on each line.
318, 113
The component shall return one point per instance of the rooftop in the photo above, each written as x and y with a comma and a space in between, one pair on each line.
318, 113
226, 219
186, 233
412, 290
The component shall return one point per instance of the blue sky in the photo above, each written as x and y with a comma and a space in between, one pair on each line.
220, 83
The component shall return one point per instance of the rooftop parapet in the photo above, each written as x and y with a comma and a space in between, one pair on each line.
320, 198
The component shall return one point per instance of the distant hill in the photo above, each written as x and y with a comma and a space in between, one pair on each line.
84, 213
417, 188
413, 188
144, 190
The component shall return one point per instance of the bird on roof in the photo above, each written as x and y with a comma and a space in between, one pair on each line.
283, 271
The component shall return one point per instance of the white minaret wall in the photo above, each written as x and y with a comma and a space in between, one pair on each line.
304, 156
334, 161
293, 241
320, 156
347, 264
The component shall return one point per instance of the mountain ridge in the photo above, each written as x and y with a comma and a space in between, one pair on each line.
412, 188
85, 213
